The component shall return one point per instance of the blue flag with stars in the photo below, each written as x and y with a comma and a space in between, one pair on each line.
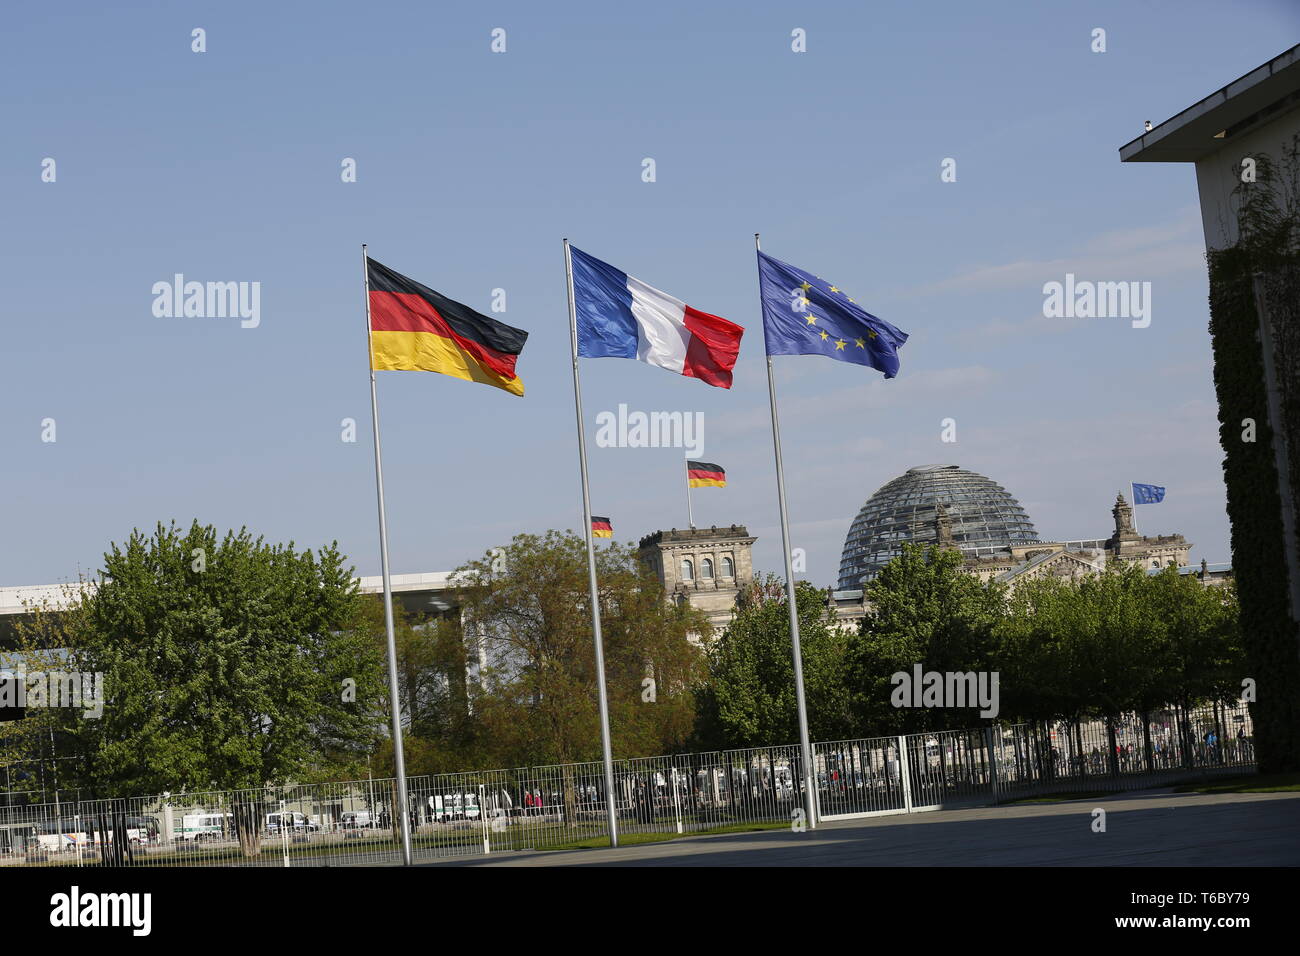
805, 315
1147, 494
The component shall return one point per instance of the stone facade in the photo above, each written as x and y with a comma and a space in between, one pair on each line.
704, 566
1047, 560
693, 564
1076, 558
1068, 559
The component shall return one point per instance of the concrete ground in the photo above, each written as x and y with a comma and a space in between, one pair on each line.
1154, 828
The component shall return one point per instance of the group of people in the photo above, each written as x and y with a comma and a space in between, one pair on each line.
1163, 754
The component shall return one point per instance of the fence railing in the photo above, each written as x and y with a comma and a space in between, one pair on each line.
555, 807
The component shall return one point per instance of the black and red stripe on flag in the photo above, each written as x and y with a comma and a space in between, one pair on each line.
400, 304
601, 527
701, 473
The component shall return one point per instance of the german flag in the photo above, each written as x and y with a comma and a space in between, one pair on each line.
601, 528
704, 474
413, 328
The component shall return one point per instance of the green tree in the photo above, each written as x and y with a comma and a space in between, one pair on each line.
439, 732
749, 699
1037, 651
1201, 657
33, 749
1121, 638
1117, 641
1121, 633
227, 664
526, 609
923, 609
1120, 641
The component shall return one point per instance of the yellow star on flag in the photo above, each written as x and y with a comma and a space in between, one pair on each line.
861, 344
839, 345
825, 336
812, 319
871, 333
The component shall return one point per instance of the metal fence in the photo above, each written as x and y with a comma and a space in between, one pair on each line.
556, 807
998, 763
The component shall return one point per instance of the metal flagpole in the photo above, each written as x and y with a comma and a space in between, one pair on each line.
690, 515
606, 750
399, 757
805, 747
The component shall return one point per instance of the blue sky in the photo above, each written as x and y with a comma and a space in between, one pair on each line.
472, 166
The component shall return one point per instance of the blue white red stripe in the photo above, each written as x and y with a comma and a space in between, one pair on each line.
621, 317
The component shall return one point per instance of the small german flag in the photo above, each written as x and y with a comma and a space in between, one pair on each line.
413, 328
601, 528
704, 474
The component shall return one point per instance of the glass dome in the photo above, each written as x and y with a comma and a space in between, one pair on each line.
985, 519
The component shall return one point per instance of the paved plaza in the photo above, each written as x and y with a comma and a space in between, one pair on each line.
1155, 828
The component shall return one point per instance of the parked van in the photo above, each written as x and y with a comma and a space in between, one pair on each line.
357, 820
454, 806
292, 820
69, 833
203, 827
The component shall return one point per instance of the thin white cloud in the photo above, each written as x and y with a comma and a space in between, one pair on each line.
1006, 329
1141, 253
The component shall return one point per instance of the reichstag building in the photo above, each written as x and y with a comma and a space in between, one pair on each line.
985, 519
951, 507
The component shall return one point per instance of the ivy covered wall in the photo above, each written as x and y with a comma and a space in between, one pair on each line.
1268, 216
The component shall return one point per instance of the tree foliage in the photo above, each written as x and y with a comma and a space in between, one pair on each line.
1095, 646
224, 664
236, 664
749, 697
1119, 641
527, 619
923, 610
26, 744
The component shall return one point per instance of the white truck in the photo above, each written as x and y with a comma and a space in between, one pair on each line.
454, 806
206, 827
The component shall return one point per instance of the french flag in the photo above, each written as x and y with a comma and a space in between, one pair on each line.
622, 317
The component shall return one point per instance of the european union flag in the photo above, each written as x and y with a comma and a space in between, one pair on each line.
805, 315
1147, 494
